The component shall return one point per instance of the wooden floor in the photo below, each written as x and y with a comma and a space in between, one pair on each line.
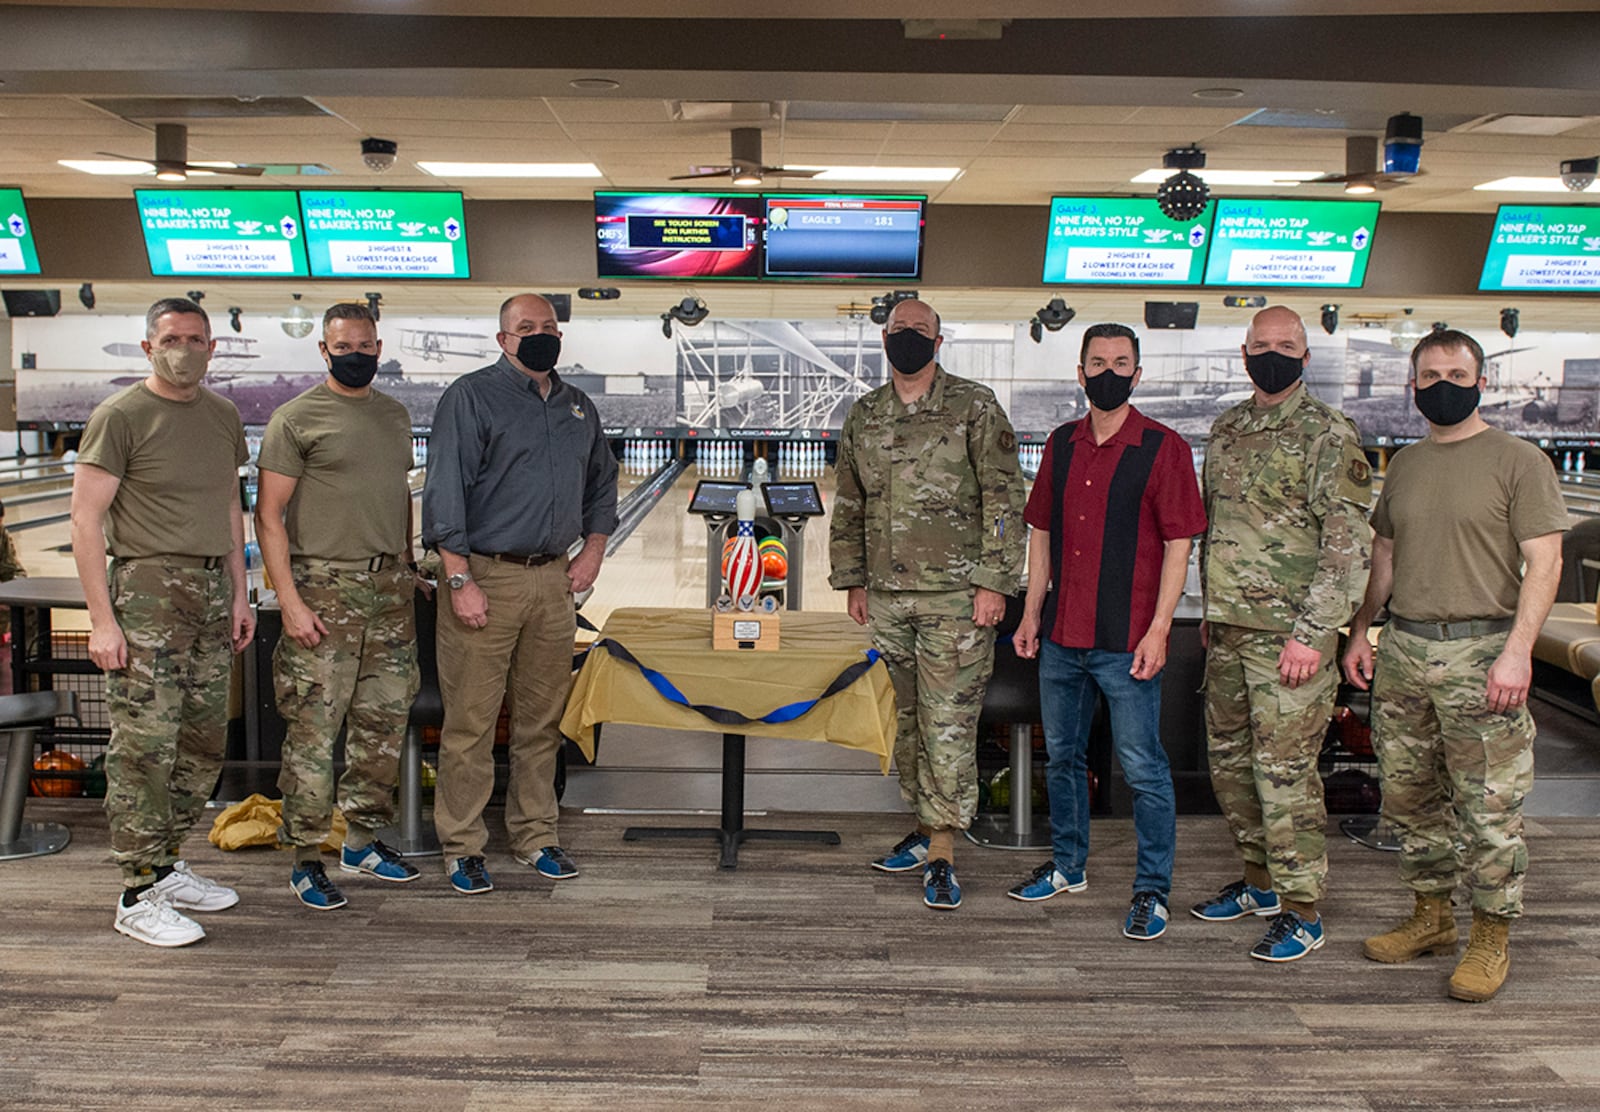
802, 981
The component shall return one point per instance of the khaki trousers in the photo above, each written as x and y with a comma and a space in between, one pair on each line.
528, 642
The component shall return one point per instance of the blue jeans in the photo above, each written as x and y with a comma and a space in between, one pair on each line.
1068, 682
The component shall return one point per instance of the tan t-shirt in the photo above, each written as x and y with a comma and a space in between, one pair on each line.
179, 465
350, 456
1457, 513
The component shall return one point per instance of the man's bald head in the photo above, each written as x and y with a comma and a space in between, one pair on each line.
1276, 328
912, 313
523, 309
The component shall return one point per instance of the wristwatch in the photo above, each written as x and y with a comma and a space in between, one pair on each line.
459, 581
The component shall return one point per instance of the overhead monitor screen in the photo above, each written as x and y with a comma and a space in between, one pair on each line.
1123, 241
1552, 248
1324, 244
841, 237
385, 234
17, 252
677, 235
225, 233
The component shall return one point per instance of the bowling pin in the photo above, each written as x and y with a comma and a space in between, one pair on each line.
744, 562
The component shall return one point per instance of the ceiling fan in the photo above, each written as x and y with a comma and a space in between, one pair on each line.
746, 166
172, 157
1360, 172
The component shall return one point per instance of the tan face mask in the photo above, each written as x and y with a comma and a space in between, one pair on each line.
183, 366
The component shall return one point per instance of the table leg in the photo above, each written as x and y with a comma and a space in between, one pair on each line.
995, 831
19, 643
412, 835
731, 832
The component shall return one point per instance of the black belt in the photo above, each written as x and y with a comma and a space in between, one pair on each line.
538, 559
1452, 631
208, 563
374, 563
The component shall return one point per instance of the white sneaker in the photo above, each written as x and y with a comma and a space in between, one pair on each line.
153, 920
186, 889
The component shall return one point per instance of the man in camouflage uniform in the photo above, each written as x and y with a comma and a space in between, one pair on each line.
927, 538
1467, 558
1285, 559
157, 482
334, 518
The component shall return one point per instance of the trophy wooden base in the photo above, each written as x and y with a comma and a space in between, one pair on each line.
748, 630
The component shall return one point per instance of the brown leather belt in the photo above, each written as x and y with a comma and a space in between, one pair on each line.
538, 559
1452, 631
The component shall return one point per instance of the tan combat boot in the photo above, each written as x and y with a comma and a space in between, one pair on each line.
1484, 966
1431, 929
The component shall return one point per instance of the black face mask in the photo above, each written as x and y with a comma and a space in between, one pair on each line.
539, 352
1273, 371
908, 350
1107, 390
1445, 403
353, 368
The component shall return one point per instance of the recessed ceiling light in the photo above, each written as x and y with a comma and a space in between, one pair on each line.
594, 84
1218, 93
126, 166
1234, 177
1529, 185
883, 173
510, 169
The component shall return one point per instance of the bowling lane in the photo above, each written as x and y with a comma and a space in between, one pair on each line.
664, 562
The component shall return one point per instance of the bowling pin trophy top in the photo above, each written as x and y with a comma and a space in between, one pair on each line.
744, 618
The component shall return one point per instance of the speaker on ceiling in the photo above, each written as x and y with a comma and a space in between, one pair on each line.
1171, 314
562, 304
32, 303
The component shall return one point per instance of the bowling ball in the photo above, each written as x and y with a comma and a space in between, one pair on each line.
768, 542
774, 564
56, 761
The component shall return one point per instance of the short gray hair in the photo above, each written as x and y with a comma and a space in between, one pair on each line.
172, 305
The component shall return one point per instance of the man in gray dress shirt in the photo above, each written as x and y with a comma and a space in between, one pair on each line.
518, 472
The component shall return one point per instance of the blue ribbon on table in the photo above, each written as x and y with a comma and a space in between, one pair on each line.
722, 715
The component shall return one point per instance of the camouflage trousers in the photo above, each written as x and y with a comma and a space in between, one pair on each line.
363, 673
1263, 739
939, 663
1455, 773
168, 708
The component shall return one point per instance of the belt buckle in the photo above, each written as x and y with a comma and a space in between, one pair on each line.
376, 563
212, 563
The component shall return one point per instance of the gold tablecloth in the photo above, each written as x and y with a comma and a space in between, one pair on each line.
814, 649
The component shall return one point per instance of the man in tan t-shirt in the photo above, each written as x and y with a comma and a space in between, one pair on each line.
334, 520
1467, 556
157, 483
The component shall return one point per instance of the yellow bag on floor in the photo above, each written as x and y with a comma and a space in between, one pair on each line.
254, 821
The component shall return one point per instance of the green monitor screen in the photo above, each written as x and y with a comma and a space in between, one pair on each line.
1319, 244
17, 252
227, 233
385, 234
1552, 248
1123, 241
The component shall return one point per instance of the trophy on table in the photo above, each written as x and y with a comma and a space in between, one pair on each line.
744, 618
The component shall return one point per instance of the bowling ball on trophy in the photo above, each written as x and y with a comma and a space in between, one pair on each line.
775, 561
